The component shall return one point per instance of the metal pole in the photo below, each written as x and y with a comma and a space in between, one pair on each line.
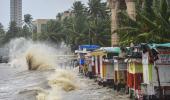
89, 37
159, 84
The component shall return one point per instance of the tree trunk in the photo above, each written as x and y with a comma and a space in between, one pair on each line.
131, 10
113, 4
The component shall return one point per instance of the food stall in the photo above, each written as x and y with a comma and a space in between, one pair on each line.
104, 64
156, 71
134, 71
81, 52
120, 73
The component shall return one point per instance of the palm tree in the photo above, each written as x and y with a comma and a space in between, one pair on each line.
75, 27
116, 6
80, 17
96, 8
54, 31
98, 16
28, 22
152, 23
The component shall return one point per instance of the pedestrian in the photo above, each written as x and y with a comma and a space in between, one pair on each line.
85, 70
90, 70
81, 63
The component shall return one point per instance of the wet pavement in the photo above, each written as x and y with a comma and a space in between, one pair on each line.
92, 91
19, 84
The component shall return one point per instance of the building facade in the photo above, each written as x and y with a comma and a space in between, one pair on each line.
16, 12
64, 15
41, 25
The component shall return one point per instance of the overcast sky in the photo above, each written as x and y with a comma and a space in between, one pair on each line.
37, 8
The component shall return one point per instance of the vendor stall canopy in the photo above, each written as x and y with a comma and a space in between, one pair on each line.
111, 49
154, 48
165, 45
89, 47
109, 52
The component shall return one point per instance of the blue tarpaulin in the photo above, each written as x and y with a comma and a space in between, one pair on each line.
88, 47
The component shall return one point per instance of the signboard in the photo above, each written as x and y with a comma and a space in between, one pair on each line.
164, 58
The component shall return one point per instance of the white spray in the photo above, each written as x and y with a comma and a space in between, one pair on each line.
41, 56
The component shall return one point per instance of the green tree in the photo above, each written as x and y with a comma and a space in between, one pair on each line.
75, 27
25, 32
13, 32
28, 22
88, 25
53, 26
84, 25
2, 34
152, 23
53, 32
80, 17
97, 9
99, 23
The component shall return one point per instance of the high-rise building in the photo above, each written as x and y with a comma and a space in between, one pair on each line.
16, 12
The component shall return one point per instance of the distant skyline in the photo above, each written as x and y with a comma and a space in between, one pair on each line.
39, 9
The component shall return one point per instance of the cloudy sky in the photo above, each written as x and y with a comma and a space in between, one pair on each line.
37, 8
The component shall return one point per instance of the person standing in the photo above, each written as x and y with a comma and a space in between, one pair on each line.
90, 70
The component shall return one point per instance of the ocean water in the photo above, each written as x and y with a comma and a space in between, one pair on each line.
33, 73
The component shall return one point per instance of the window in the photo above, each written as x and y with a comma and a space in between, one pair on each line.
43, 27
